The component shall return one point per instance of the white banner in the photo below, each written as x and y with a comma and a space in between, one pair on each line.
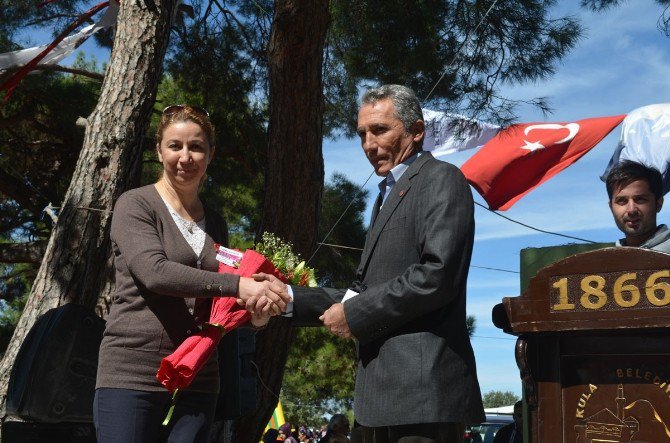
448, 133
645, 139
19, 58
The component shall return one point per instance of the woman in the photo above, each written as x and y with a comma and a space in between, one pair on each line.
286, 433
304, 435
163, 241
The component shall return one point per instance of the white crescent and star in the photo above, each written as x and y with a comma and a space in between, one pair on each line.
573, 129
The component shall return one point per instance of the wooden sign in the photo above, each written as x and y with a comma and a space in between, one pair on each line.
594, 347
596, 290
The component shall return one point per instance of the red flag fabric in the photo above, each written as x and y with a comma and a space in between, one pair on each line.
523, 156
178, 369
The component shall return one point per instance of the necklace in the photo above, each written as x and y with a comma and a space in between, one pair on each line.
187, 224
192, 231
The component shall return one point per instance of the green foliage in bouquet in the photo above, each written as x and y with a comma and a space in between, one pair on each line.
281, 254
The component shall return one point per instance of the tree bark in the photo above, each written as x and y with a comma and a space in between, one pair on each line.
76, 266
294, 173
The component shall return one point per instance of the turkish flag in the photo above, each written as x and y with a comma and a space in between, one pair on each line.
523, 156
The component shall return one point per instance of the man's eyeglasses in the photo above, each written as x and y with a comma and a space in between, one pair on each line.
173, 109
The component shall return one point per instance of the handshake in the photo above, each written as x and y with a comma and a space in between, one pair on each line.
264, 295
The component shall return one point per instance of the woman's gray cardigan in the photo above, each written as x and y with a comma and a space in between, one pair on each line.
161, 296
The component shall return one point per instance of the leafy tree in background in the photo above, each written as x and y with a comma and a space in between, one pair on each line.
337, 264
319, 376
496, 399
14, 286
376, 41
302, 64
39, 146
471, 324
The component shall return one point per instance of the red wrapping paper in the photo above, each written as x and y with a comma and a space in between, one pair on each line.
178, 369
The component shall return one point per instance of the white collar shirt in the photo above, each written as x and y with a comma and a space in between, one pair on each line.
394, 175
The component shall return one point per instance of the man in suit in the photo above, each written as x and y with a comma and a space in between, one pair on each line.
416, 379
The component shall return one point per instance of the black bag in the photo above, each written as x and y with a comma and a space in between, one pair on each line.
31, 432
53, 377
238, 375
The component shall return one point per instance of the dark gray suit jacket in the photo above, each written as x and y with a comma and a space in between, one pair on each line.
416, 363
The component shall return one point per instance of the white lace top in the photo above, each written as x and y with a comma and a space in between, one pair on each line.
193, 232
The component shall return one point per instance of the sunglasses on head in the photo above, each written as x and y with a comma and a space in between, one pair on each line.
173, 109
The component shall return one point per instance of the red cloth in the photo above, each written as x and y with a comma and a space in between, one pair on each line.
178, 369
252, 262
523, 156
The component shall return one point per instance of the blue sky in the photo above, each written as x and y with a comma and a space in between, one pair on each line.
623, 62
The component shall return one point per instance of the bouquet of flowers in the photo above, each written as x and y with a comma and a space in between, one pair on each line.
271, 256
286, 261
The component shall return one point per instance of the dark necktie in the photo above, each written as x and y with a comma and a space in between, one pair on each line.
375, 209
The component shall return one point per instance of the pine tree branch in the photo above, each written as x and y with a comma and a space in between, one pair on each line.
30, 252
242, 29
82, 72
16, 189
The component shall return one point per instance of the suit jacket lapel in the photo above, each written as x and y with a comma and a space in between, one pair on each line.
399, 191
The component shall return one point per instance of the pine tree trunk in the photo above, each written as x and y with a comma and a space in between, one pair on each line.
294, 174
76, 267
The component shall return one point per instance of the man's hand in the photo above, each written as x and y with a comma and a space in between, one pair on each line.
262, 276
335, 321
262, 294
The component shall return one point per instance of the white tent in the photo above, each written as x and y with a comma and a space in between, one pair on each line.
501, 410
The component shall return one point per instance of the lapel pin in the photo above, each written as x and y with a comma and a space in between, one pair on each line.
401, 193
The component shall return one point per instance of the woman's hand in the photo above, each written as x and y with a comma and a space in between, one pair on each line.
259, 318
263, 295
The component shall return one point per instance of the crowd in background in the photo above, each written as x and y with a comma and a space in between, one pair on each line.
336, 431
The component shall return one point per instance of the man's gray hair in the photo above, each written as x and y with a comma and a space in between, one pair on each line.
406, 105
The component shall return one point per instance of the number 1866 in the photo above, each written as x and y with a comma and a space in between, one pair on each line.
626, 291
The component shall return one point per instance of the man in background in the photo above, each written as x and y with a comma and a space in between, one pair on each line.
635, 197
513, 432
